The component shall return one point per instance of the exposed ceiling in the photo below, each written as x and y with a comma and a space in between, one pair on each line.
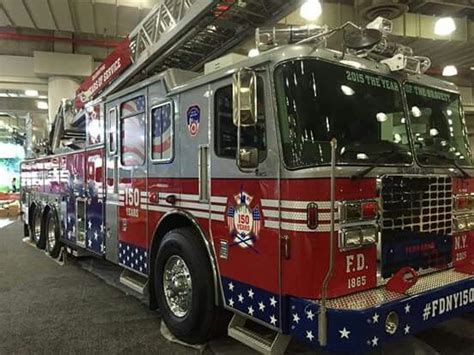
98, 17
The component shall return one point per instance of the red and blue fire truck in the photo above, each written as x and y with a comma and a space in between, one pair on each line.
324, 195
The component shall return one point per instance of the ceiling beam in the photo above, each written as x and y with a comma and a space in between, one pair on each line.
28, 11
52, 15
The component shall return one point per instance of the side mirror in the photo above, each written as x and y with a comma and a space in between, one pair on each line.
244, 95
248, 158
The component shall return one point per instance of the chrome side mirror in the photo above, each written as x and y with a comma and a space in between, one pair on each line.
248, 158
244, 95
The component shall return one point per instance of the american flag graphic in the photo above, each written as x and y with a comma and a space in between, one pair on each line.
256, 221
133, 106
161, 131
133, 256
230, 217
133, 141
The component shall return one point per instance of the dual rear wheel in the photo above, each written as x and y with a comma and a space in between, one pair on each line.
45, 232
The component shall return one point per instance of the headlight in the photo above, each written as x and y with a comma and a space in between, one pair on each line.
369, 235
352, 238
355, 237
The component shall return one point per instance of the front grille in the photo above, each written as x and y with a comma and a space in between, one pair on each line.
417, 203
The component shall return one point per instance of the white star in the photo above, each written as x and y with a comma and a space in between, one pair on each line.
251, 293
273, 320
144, 254
261, 306
309, 335
96, 236
407, 308
89, 243
231, 302
90, 224
144, 265
375, 342
375, 318
132, 255
251, 310
102, 248
241, 298
407, 329
136, 251
345, 333
310, 314
101, 227
231, 286
273, 301
296, 318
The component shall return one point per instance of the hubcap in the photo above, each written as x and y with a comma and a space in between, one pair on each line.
177, 286
51, 235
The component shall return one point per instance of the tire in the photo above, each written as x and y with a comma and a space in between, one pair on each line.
197, 324
36, 230
51, 234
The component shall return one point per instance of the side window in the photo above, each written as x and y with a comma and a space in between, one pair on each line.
112, 130
132, 132
162, 133
225, 132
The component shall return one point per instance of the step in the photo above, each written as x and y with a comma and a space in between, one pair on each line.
137, 283
255, 340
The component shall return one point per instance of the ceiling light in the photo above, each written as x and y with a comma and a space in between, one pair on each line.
445, 26
253, 52
12, 94
311, 10
42, 97
3, 94
32, 93
450, 70
42, 105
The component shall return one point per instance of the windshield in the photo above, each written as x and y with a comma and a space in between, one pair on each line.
318, 101
438, 126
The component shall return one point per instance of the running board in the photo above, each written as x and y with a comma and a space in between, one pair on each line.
256, 341
134, 281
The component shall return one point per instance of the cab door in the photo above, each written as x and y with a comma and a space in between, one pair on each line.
132, 186
246, 238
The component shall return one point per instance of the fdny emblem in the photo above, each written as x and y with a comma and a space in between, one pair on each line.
243, 221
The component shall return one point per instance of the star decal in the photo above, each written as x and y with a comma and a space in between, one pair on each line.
261, 306
231, 286
296, 318
273, 320
273, 301
231, 302
375, 341
89, 243
96, 236
407, 308
102, 248
310, 315
241, 298
250, 309
407, 329
375, 318
345, 333
90, 224
250, 293
309, 335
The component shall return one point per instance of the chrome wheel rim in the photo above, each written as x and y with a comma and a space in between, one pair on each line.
177, 286
37, 234
51, 235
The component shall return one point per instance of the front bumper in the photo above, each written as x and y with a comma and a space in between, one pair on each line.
356, 323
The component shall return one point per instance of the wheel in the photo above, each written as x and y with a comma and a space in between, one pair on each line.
36, 234
184, 287
53, 245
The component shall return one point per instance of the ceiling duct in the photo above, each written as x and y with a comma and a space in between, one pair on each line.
371, 9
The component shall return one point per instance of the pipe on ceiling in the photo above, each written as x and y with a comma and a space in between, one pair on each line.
105, 43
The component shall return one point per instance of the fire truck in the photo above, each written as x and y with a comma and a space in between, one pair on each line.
325, 196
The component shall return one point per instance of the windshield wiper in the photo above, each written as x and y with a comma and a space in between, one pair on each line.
382, 155
446, 158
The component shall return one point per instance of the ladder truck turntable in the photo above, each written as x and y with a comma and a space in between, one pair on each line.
324, 195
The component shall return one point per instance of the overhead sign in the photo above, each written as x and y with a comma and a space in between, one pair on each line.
114, 64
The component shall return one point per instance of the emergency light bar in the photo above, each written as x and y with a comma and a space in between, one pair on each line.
268, 38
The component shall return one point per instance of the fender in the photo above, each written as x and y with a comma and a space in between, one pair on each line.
210, 251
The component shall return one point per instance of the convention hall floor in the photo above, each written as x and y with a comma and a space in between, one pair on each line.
49, 308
